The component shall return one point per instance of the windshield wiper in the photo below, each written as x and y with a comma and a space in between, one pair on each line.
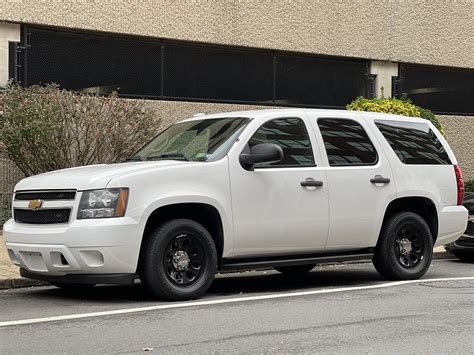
170, 155
136, 158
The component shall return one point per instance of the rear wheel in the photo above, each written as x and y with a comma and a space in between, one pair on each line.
295, 270
179, 260
405, 247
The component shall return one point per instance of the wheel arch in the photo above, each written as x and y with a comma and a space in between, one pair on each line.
203, 213
423, 206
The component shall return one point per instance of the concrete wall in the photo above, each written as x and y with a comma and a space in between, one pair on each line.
460, 133
9, 32
433, 32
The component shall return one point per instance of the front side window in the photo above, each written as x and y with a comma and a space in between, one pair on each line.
414, 143
346, 142
196, 140
291, 135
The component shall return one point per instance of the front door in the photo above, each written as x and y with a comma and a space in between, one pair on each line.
273, 213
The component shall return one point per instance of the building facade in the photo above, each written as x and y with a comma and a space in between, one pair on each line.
208, 56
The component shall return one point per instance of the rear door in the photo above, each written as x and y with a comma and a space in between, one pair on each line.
359, 177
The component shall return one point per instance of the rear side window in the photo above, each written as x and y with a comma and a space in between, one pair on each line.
291, 135
346, 142
414, 143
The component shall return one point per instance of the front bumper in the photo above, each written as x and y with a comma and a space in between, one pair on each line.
99, 246
90, 279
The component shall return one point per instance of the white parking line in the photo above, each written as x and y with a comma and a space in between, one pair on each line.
223, 301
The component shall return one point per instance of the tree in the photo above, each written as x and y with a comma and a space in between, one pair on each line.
44, 128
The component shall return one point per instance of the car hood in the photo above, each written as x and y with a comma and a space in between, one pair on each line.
90, 177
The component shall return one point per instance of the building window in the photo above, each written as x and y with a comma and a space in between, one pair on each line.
442, 90
319, 82
164, 69
346, 142
291, 135
414, 143
197, 72
95, 64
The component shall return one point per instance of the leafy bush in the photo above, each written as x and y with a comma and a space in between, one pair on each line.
402, 107
44, 128
469, 185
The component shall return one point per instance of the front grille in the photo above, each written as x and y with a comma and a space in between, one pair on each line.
45, 195
42, 216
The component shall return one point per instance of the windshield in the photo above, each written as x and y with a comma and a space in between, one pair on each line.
196, 140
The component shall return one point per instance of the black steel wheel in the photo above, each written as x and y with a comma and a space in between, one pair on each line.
184, 259
178, 260
409, 246
405, 247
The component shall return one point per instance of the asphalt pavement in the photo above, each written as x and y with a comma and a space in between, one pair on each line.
334, 309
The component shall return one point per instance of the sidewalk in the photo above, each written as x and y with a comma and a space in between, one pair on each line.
10, 276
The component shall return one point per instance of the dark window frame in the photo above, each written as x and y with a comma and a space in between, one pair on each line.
257, 166
377, 156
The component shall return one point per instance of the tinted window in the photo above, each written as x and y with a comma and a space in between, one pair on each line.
346, 142
414, 143
291, 135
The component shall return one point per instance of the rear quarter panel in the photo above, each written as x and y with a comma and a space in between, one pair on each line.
435, 182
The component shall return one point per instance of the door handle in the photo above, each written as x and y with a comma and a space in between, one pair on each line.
311, 183
379, 179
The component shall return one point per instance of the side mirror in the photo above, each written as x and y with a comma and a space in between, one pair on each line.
261, 153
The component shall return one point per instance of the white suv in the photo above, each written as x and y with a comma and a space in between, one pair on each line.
282, 188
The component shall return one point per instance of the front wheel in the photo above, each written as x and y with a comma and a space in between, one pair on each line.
179, 260
405, 247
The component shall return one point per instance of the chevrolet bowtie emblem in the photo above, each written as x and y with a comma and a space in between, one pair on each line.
35, 204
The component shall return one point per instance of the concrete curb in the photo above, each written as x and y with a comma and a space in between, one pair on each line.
20, 282
6, 284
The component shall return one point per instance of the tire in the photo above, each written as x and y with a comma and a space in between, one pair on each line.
395, 258
178, 261
71, 286
295, 270
464, 256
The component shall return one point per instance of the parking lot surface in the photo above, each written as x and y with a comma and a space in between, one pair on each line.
345, 308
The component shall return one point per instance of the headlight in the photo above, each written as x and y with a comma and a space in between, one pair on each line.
104, 203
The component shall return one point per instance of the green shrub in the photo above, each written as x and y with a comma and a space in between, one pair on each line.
402, 107
469, 185
44, 128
